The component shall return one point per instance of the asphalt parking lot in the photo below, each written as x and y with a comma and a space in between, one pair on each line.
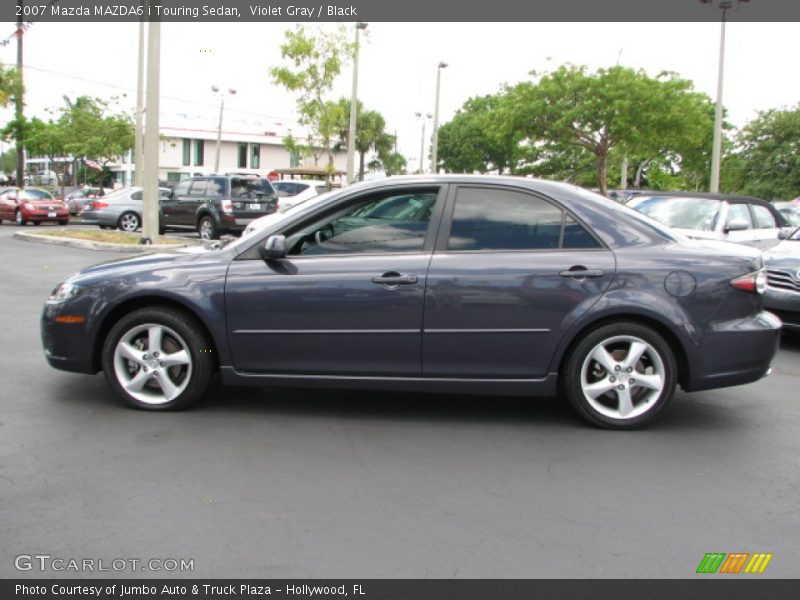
294, 484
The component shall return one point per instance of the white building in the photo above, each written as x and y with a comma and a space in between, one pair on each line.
184, 152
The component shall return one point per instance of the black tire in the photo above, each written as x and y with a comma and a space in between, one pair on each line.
36, 222
207, 228
104, 227
657, 363
19, 219
63, 222
129, 221
179, 331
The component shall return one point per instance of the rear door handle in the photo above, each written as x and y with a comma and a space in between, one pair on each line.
580, 273
392, 279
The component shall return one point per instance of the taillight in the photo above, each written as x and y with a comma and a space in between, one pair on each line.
227, 206
755, 282
97, 205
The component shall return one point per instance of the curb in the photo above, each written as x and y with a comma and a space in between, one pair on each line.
90, 245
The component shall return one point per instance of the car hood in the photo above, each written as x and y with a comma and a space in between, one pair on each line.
785, 254
119, 267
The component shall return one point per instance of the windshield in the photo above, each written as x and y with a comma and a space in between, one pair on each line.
684, 213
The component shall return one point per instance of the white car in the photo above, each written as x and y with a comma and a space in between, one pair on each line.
715, 217
294, 191
280, 215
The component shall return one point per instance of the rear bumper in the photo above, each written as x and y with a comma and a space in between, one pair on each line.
734, 352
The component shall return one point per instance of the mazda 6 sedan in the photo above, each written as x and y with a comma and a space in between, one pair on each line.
458, 284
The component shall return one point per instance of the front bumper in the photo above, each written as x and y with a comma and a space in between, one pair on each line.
66, 346
785, 304
734, 352
41, 216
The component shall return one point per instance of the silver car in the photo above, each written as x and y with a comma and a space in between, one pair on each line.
782, 295
119, 210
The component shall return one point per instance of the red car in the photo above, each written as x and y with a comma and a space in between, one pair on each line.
31, 205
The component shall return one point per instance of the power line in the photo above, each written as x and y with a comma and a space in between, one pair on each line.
173, 98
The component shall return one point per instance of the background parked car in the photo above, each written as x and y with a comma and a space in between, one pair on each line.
121, 209
217, 204
783, 281
294, 191
790, 211
714, 216
31, 205
78, 199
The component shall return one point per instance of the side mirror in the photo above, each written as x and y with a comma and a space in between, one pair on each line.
785, 232
274, 248
737, 225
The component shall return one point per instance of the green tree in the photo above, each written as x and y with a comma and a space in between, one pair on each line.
314, 61
8, 161
615, 109
766, 162
371, 135
9, 84
392, 163
481, 137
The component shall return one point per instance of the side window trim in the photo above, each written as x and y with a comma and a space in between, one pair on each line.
443, 235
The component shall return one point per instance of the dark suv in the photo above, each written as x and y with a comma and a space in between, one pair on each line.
217, 204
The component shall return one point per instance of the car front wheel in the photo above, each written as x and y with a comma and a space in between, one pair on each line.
158, 359
620, 376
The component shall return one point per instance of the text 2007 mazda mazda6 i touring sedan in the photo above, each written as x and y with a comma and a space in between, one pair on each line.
440, 284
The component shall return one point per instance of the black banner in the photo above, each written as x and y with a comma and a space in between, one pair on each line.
406, 589
309, 11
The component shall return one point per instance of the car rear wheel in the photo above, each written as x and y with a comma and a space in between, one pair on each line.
128, 221
207, 229
158, 359
19, 219
620, 376
63, 222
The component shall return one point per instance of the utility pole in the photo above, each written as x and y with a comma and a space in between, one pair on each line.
150, 201
716, 149
351, 135
20, 133
435, 141
138, 146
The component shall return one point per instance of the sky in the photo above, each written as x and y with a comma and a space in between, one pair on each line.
397, 66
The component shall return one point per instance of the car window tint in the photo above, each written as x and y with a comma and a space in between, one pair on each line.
216, 187
486, 219
764, 218
199, 187
379, 224
37, 194
576, 236
182, 189
739, 212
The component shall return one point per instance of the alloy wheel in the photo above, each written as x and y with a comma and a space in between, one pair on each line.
622, 377
152, 363
129, 222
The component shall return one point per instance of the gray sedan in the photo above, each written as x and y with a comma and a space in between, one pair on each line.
121, 209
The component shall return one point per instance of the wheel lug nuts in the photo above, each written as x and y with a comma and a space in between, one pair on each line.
617, 368
629, 368
612, 379
144, 369
632, 381
155, 354
620, 387
161, 363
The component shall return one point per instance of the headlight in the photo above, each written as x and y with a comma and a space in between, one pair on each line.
64, 291
761, 281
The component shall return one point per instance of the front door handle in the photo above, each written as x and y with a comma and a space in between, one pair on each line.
393, 279
580, 272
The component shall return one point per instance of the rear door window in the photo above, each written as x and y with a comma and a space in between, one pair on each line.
737, 213
496, 219
764, 219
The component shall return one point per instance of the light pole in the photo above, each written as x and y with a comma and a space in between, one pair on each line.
351, 135
435, 141
716, 149
138, 145
422, 117
149, 180
216, 90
